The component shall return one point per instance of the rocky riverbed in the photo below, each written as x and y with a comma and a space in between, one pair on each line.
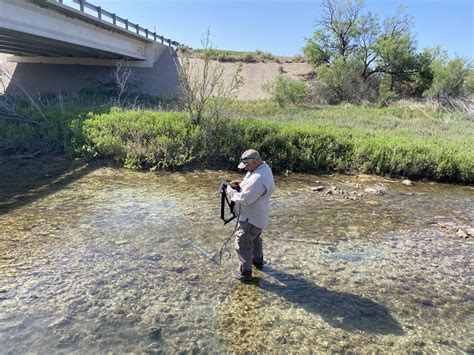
98, 259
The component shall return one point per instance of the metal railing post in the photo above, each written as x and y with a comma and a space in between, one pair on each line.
126, 24
99, 12
81, 5
114, 19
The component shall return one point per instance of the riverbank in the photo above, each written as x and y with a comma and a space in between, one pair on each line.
414, 142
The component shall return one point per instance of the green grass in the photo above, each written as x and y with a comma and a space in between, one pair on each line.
419, 123
400, 140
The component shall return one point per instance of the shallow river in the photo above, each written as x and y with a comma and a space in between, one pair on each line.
98, 259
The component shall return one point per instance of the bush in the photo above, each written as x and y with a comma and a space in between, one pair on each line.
341, 81
470, 83
401, 156
147, 139
286, 90
451, 79
396, 140
139, 139
199, 87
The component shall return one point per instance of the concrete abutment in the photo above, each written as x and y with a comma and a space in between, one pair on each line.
52, 76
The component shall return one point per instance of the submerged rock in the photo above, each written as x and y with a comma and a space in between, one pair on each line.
317, 188
153, 257
376, 190
155, 348
373, 202
155, 332
407, 182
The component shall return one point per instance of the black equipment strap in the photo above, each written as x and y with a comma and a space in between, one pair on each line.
231, 204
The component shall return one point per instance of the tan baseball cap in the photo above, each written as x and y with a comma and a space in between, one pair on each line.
248, 156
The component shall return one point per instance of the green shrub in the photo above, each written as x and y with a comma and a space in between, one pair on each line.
469, 85
146, 139
140, 139
450, 79
249, 58
286, 90
341, 81
397, 140
234, 56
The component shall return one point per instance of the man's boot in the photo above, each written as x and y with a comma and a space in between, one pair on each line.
258, 264
242, 276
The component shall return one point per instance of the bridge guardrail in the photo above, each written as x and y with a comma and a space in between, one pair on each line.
116, 20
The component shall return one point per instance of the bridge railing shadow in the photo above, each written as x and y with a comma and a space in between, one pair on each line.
342, 310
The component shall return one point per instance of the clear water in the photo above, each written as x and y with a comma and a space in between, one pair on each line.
100, 259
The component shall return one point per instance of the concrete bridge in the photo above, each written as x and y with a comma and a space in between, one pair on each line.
53, 46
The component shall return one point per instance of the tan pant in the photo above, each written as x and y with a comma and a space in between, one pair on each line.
248, 245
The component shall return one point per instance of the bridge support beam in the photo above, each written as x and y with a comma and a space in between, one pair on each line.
161, 79
153, 52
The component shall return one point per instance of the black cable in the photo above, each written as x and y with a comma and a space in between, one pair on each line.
224, 245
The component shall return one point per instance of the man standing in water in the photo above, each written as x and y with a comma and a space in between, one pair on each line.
252, 200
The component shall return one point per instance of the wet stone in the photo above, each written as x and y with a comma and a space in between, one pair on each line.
426, 302
153, 257
155, 332
182, 328
154, 348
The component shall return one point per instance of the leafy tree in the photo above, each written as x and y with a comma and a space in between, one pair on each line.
337, 34
424, 76
316, 50
396, 49
352, 42
369, 30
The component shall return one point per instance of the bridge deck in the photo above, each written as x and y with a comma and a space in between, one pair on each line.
50, 28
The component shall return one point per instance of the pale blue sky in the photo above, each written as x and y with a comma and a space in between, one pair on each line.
281, 26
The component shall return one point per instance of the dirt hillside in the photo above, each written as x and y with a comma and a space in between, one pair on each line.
255, 74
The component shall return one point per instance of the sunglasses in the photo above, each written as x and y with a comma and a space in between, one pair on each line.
246, 161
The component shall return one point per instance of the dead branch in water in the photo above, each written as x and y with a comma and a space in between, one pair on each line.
455, 227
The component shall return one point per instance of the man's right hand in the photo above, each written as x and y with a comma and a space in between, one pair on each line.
235, 182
